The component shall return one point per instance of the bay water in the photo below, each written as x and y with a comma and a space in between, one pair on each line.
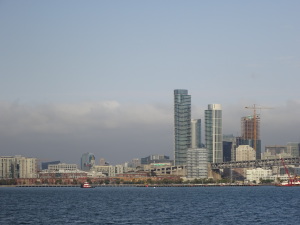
142, 205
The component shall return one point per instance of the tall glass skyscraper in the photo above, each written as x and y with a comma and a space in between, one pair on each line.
182, 125
213, 133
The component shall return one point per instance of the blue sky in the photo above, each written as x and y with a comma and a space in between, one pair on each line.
72, 69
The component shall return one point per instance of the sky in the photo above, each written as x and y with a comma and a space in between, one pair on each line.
98, 76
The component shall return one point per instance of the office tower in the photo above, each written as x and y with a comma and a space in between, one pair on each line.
87, 161
196, 133
155, 159
213, 133
275, 152
228, 148
250, 128
275, 149
293, 148
182, 125
197, 163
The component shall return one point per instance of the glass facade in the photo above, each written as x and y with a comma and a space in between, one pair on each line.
182, 125
87, 161
213, 133
196, 133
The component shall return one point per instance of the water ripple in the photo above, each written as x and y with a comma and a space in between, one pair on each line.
213, 205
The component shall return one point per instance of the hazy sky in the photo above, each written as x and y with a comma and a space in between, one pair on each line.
98, 76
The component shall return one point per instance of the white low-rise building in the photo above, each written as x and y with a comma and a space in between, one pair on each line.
110, 171
95, 174
62, 166
257, 174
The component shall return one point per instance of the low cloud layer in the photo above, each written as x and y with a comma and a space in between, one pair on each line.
65, 131
119, 132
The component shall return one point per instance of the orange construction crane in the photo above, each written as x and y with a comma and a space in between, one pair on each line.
255, 107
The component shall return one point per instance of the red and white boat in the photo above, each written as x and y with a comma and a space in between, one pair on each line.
290, 183
86, 185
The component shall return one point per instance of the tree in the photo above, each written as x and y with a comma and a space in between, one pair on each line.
149, 181
266, 181
58, 181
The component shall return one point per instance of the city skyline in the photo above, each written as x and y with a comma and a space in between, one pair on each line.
99, 77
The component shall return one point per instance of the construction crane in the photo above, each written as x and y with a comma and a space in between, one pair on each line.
291, 180
255, 107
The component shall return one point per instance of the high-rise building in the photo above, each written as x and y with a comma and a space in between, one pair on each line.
245, 153
17, 167
196, 133
87, 161
102, 162
182, 125
293, 148
250, 128
229, 146
213, 133
197, 163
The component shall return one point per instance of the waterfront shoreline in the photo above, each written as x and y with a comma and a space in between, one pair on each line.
142, 185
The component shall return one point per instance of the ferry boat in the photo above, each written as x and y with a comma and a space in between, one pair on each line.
86, 185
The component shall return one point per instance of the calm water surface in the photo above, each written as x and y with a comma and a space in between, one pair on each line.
165, 205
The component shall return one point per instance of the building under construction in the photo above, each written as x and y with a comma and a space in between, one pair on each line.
249, 129
250, 133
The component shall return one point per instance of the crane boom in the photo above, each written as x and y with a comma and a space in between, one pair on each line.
290, 182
